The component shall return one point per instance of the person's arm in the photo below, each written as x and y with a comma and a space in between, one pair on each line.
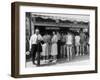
56, 39
66, 38
40, 38
30, 42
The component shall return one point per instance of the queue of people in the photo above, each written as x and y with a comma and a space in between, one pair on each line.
55, 46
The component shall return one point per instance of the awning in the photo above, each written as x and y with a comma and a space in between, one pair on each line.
71, 17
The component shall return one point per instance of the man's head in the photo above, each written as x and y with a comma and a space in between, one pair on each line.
81, 30
68, 32
54, 33
36, 31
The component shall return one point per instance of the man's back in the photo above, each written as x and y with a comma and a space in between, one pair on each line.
82, 37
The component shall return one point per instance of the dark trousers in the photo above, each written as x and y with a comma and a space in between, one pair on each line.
82, 49
33, 52
59, 48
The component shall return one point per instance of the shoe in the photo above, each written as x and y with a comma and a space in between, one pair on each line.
34, 63
50, 60
54, 61
76, 54
83, 54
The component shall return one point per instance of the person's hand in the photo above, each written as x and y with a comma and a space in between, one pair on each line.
27, 53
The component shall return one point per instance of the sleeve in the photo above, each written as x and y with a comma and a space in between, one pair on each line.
66, 38
40, 37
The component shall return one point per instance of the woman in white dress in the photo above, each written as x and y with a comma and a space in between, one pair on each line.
54, 47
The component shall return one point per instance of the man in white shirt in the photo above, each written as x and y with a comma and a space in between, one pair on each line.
35, 45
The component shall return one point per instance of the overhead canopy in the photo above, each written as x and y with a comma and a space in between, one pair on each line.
63, 17
58, 20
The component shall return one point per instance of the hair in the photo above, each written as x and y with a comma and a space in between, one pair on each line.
36, 29
81, 30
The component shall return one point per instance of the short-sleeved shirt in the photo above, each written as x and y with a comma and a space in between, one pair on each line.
69, 39
34, 38
77, 40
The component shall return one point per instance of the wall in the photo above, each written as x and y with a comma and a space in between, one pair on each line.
5, 40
